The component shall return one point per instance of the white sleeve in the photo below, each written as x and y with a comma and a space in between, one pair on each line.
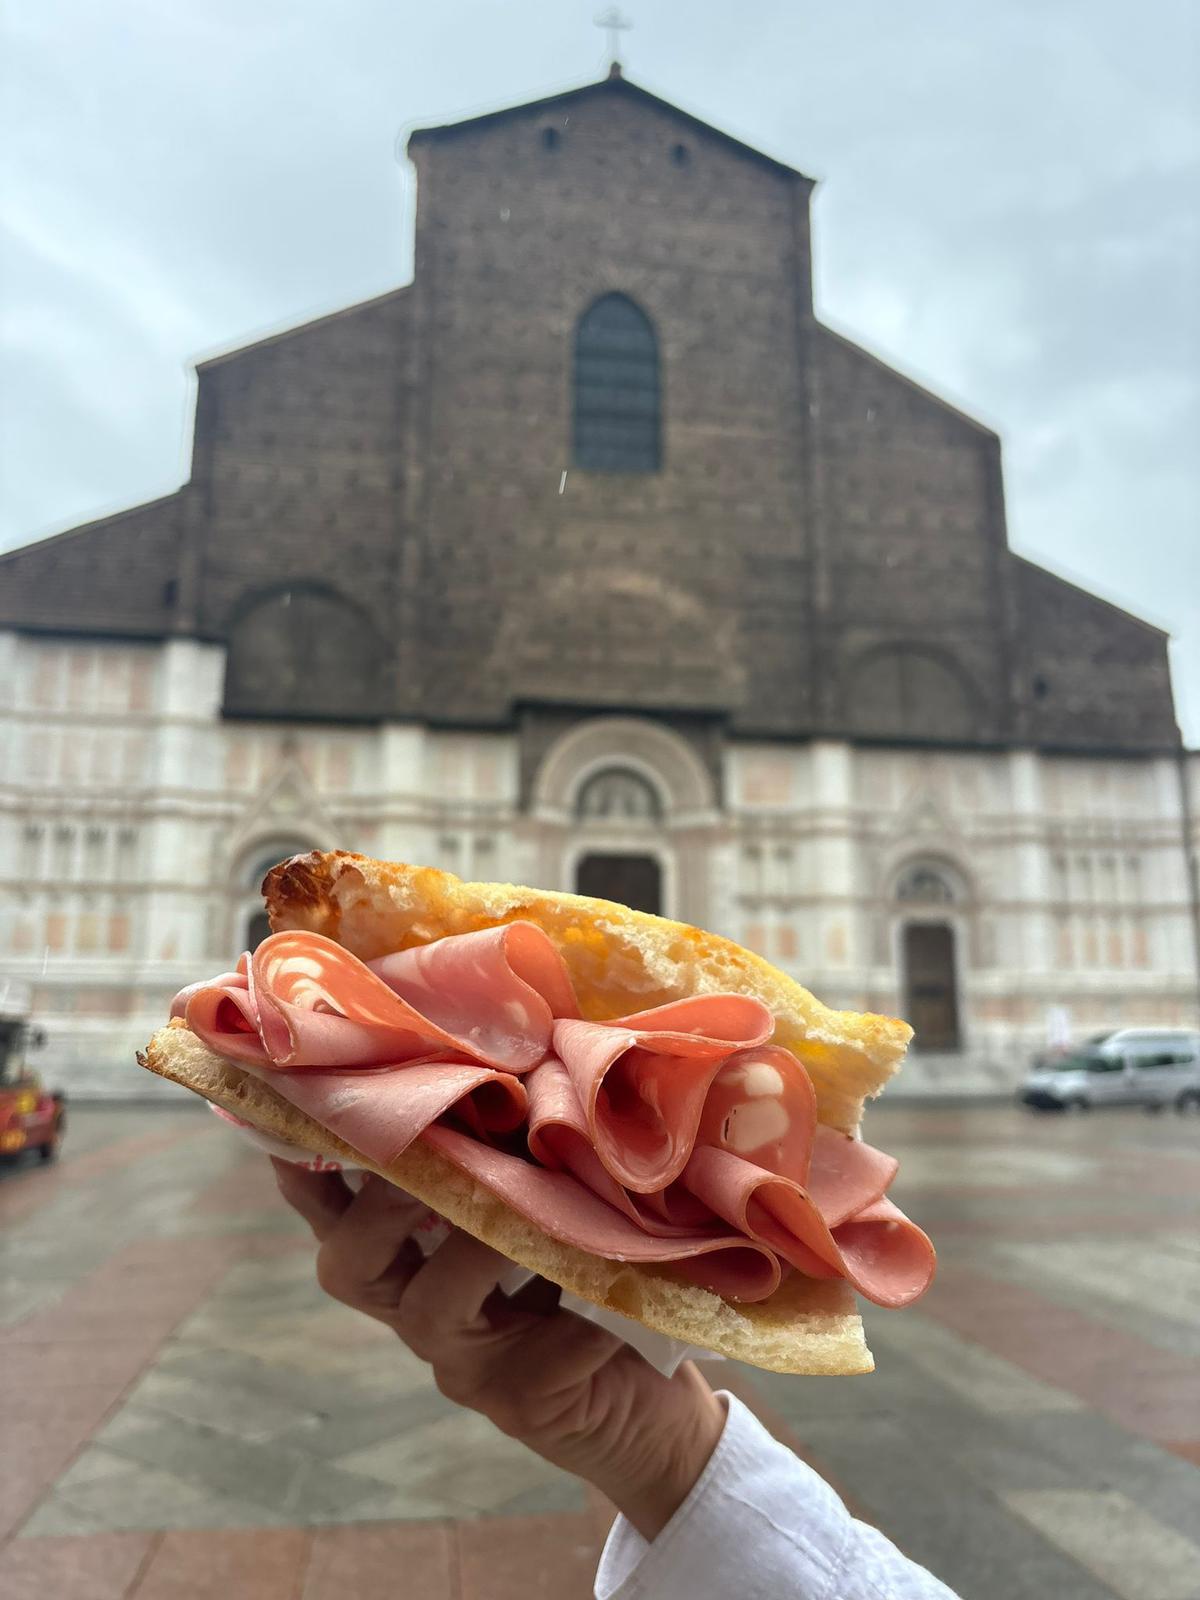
757, 1525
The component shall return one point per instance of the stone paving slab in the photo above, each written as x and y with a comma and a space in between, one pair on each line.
1117, 1540
964, 1532
192, 1418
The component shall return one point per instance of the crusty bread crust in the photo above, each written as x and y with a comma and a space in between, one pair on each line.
806, 1326
621, 961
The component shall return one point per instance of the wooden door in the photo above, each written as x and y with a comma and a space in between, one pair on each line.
634, 881
930, 985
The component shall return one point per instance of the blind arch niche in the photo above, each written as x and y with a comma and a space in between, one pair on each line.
302, 651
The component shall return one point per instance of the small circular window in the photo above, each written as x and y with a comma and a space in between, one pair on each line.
551, 138
681, 155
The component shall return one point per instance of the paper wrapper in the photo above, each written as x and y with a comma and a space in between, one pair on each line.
660, 1351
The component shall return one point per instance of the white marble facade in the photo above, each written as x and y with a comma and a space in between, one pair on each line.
136, 823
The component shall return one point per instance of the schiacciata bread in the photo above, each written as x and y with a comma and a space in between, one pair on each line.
621, 964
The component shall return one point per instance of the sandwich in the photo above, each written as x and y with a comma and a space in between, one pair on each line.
645, 1114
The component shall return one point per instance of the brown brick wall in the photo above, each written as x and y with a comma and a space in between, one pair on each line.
911, 537
1096, 676
299, 450
622, 590
407, 454
112, 576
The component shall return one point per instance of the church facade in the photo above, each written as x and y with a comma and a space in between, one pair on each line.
591, 559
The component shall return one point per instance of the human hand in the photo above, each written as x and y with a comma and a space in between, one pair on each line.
574, 1393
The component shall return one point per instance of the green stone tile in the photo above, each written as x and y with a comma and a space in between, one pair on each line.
357, 1427
920, 1497
1099, 1455
262, 1371
55, 1517
240, 1412
896, 1387
287, 1482
1125, 1546
141, 1498
460, 1463
565, 1493
92, 1465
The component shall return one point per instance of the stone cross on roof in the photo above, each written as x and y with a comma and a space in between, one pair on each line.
614, 25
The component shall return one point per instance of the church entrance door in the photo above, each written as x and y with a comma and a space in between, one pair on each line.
931, 985
634, 881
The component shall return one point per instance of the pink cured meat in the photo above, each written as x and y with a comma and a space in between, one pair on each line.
642, 1081
731, 1265
876, 1248
316, 1005
222, 1012
226, 1018
380, 1114
223, 980
497, 990
559, 1138
675, 1135
845, 1175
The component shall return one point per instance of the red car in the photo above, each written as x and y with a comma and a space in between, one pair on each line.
30, 1118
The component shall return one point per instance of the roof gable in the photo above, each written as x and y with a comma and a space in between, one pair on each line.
615, 84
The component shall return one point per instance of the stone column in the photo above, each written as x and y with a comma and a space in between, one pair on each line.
834, 869
175, 855
1030, 883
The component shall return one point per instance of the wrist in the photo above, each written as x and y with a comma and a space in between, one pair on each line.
679, 1449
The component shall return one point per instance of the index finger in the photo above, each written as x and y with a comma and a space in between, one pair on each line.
321, 1198
444, 1301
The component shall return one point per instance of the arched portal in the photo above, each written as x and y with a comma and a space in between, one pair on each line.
930, 972
631, 880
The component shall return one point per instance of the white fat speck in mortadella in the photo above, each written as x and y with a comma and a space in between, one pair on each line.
762, 1106
755, 1123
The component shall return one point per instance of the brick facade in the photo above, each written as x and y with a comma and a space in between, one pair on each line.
401, 465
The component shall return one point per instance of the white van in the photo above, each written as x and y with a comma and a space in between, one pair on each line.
1152, 1067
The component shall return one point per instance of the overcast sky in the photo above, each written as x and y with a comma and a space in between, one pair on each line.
1008, 210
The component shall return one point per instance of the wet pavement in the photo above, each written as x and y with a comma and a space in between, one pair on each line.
186, 1416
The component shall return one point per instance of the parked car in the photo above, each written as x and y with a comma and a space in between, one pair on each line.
1151, 1067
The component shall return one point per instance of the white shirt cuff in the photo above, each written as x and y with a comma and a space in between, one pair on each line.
757, 1524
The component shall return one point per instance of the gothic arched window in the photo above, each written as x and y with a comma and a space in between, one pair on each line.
617, 425
617, 794
926, 884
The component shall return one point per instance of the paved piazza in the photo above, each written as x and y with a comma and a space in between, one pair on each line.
185, 1416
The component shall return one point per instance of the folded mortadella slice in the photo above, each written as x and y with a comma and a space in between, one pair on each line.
845, 1176
379, 1114
223, 1013
558, 1138
641, 1081
320, 1006
735, 1267
762, 1106
497, 989
878, 1250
